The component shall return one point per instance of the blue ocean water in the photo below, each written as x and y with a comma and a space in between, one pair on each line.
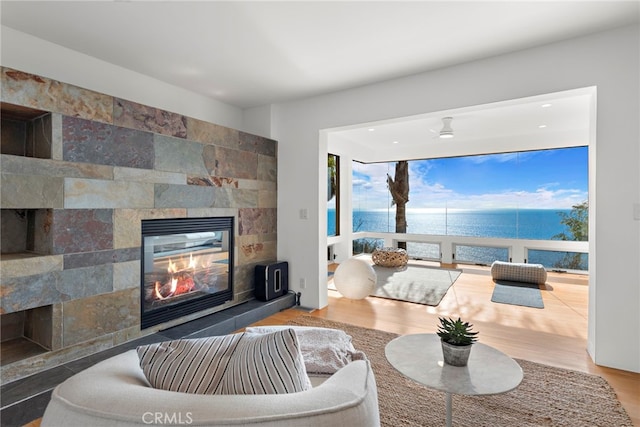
539, 224
503, 223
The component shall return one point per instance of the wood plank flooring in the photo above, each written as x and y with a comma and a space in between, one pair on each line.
555, 335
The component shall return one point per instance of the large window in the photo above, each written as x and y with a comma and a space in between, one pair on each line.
521, 195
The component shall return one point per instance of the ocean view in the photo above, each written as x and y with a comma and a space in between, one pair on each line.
539, 224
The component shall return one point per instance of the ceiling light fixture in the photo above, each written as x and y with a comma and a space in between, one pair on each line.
546, 105
447, 131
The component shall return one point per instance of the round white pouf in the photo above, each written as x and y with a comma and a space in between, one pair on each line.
355, 279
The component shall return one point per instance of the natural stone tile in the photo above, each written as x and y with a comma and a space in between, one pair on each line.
148, 175
179, 155
56, 136
137, 116
31, 192
22, 293
87, 259
267, 199
257, 144
81, 230
93, 193
257, 221
18, 165
210, 133
213, 181
183, 196
267, 168
256, 252
46, 94
127, 224
232, 163
86, 141
126, 275
100, 315
30, 266
233, 198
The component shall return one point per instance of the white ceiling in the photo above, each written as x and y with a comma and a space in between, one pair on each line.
256, 53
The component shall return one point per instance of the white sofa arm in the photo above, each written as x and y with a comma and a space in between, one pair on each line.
115, 392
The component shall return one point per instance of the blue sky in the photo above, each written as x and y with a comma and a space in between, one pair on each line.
548, 179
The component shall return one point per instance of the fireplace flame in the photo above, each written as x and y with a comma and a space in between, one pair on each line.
180, 280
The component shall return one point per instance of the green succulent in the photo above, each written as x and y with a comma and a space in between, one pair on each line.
456, 332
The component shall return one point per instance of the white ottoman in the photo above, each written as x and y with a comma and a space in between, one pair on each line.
355, 278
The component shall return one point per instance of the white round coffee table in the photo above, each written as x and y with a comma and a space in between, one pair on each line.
419, 357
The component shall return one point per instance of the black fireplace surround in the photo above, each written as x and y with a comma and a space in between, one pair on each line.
186, 267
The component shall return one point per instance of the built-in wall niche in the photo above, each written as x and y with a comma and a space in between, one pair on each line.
25, 131
26, 334
25, 232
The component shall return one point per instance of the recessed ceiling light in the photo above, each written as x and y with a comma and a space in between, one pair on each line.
371, 129
542, 126
395, 142
546, 105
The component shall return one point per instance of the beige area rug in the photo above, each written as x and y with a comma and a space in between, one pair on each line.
414, 283
547, 396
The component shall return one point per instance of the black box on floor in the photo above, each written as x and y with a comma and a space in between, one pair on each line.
272, 280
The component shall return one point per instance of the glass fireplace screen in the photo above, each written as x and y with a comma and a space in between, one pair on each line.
187, 266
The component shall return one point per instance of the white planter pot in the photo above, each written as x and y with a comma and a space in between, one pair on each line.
455, 355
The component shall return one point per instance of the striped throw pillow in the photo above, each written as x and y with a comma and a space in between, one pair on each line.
229, 364
188, 365
266, 364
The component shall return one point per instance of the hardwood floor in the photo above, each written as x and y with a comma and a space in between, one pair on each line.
555, 335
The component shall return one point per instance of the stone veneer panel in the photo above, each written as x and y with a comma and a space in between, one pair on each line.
257, 221
30, 266
93, 193
87, 259
257, 144
267, 168
210, 133
28, 166
148, 175
81, 230
33, 91
127, 224
22, 293
227, 162
126, 275
179, 155
137, 116
191, 168
87, 141
31, 192
100, 315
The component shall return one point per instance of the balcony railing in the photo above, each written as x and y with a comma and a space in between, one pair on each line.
480, 250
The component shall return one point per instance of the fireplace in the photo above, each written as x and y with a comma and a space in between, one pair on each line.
187, 266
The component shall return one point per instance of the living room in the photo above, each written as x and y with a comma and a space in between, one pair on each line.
605, 58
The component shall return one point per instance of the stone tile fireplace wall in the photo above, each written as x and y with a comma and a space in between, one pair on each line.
71, 212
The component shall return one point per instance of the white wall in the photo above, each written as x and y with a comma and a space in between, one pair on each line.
608, 60
30, 54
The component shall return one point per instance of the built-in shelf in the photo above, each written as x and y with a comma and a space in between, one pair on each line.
25, 131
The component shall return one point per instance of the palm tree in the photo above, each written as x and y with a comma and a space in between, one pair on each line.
399, 189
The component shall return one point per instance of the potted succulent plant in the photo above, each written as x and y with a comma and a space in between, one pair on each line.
457, 338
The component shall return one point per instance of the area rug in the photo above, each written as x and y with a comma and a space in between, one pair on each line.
414, 283
517, 293
547, 396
